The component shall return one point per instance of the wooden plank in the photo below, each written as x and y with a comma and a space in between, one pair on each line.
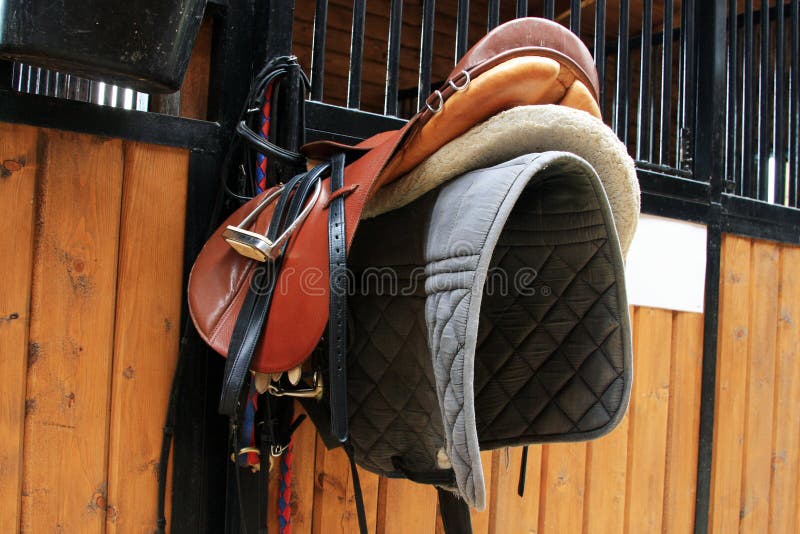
71, 334
754, 513
509, 512
734, 314
304, 443
147, 328
334, 497
408, 507
563, 488
480, 520
18, 167
606, 475
683, 427
648, 420
786, 437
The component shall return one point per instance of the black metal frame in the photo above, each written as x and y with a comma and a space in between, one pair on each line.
699, 194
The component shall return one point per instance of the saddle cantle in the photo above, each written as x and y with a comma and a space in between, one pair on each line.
525, 61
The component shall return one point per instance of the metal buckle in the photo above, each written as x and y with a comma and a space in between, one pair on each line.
307, 392
257, 246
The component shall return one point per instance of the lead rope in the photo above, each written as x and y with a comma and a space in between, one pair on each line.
285, 491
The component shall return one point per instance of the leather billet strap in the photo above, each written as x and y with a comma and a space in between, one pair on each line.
251, 319
455, 513
337, 317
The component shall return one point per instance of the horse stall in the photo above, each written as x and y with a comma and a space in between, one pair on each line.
110, 191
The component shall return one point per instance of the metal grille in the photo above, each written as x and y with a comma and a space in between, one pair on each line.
644, 56
763, 57
39, 81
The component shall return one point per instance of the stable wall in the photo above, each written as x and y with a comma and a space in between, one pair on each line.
91, 256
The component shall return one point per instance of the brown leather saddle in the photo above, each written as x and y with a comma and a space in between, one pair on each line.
272, 277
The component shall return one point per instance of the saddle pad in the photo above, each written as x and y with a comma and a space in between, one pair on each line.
524, 130
489, 312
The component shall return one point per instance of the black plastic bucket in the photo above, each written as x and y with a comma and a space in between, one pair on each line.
142, 44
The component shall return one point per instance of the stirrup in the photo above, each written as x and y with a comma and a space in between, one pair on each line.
257, 246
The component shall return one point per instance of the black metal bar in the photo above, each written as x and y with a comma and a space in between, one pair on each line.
493, 20
425, 51
765, 95
665, 120
709, 370
643, 141
48, 82
119, 100
84, 117
27, 78
108, 96
356, 54
600, 48
462, 28
393, 58
760, 220
522, 8
93, 91
16, 75
318, 49
620, 118
58, 80
748, 103
37, 75
794, 106
733, 95
6, 75
709, 166
327, 120
549, 9
779, 119
82, 92
575, 17
686, 89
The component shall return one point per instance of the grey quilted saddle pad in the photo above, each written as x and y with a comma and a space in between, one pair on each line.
489, 312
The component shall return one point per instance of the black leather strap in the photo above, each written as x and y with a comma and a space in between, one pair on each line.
251, 318
523, 469
362, 515
454, 512
259, 144
337, 319
438, 477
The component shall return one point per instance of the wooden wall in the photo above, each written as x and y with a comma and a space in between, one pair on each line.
639, 478
90, 248
755, 476
91, 243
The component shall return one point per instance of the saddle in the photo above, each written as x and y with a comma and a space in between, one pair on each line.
506, 169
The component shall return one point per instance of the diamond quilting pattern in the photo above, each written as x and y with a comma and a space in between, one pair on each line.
391, 397
550, 363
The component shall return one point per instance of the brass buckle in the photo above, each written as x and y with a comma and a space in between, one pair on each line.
307, 392
257, 246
